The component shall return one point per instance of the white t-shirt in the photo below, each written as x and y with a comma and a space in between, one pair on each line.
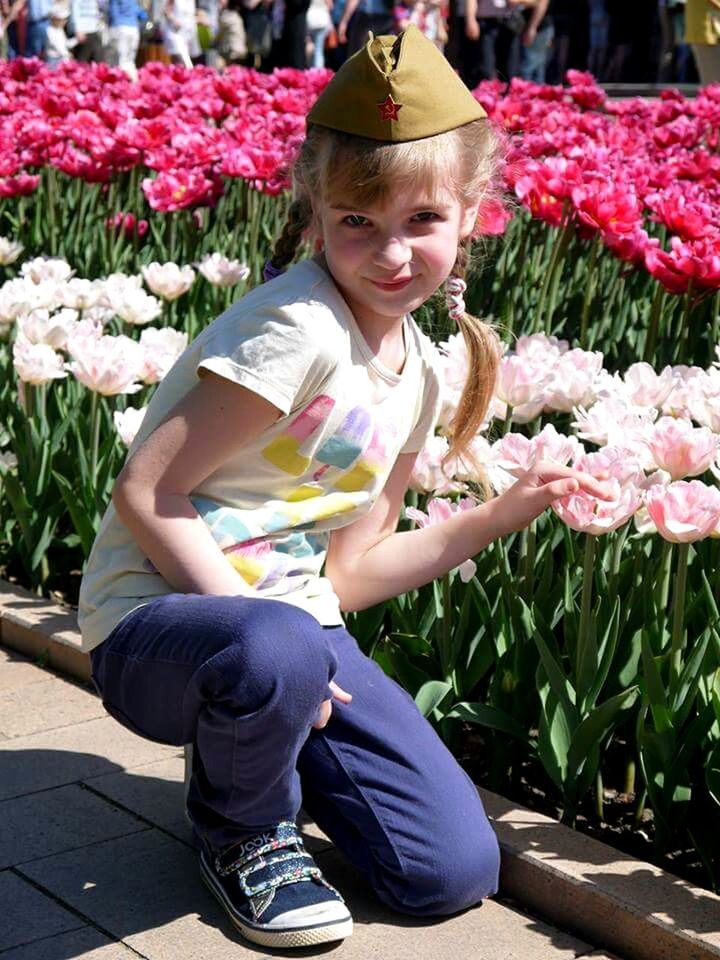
320, 466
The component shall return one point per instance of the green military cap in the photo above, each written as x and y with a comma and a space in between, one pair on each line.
396, 89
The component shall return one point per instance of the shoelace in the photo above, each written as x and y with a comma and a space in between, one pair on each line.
299, 864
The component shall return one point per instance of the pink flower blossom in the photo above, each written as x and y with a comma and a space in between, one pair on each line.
438, 511
684, 511
682, 449
587, 514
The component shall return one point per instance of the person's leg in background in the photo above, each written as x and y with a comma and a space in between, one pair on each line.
383, 786
534, 58
318, 38
35, 38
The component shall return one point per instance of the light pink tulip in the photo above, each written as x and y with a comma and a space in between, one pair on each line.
682, 449
646, 388
610, 420
587, 514
688, 385
127, 423
168, 280
574, 379
36, 362
522, 381
439, 510
684, 511
109, 365
540, 348
162, 348
427, 475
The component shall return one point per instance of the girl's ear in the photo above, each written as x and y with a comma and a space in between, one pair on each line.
469, 219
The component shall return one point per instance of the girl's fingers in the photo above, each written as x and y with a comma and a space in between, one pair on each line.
339, 694
323, 714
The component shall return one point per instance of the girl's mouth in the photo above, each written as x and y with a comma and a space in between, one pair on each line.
394, 285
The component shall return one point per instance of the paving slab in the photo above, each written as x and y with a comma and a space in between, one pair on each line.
27, 914
155, 791
146, 891
51, 821
47, 705
86, 943
56, 757
491, 931
18, 671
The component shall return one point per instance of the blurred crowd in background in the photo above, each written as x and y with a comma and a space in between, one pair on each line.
619, 41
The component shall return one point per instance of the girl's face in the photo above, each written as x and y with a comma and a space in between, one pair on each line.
388, 260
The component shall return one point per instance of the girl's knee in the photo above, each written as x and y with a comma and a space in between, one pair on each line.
274, 649
451, 878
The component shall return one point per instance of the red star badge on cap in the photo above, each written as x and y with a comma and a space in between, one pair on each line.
389, 109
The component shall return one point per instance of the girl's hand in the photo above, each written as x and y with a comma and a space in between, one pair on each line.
326, 706
536, 489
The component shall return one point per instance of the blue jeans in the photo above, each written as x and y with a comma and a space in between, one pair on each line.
243, 679
534, 59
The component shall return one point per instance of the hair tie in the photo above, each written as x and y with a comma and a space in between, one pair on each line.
270, 271
455, 287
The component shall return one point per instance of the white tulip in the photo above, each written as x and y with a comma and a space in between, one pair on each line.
221, 271
168, 280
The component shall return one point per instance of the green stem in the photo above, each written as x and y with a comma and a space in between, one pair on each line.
589, 291
586, 600
94, 433
655, 314
677, 642
684, 337
599, 795
446, 628
630, 770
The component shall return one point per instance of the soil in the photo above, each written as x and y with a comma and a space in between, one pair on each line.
618, 828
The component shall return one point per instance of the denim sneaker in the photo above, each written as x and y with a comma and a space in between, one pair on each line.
274, 892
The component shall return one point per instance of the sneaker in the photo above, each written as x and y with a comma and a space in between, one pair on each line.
274, 892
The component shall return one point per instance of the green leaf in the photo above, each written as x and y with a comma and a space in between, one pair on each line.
606, 653
430, 695
553, 668
406, 672
595, 727
492, 717
712, 773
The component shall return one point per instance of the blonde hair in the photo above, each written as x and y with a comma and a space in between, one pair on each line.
338, 167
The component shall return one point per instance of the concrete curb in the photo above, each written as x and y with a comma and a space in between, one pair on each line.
579, 884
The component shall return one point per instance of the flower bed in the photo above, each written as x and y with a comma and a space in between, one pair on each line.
586, 648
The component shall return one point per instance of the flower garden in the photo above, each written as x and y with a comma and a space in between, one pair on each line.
577, 660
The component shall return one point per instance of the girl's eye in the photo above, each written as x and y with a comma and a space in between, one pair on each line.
354, 220
426, 216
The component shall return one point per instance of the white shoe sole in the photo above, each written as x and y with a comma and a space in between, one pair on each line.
305, 936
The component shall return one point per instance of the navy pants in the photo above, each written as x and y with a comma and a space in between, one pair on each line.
242, 679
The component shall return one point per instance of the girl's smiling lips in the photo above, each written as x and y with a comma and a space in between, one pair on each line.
392, 285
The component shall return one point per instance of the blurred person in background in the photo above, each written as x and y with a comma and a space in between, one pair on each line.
180, 34
231, 41
570, 47
675, 64
493, 29
291, 21
257, 19
702, 30
124, 18
87, 27
360, 17
319, 25
598, 36
27, 24
57, 42
537, 41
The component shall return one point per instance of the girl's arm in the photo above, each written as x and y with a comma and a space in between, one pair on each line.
368, 561
151, 494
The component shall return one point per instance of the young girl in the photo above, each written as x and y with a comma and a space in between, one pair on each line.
283, 440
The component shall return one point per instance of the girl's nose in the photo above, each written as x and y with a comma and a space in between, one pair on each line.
392, 252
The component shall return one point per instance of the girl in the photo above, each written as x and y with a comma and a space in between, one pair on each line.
284, 437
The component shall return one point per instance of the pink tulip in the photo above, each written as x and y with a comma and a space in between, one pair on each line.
439, 510
682, 449
684, 511
587, 514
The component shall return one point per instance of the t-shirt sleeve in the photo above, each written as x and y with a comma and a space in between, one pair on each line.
270, 352
429, 412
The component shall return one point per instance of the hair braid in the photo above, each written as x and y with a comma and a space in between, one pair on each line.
483, 348
298, 220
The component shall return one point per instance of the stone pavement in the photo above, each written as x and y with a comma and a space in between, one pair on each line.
97, 860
